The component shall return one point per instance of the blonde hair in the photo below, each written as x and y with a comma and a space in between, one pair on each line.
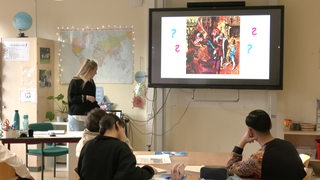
86, 68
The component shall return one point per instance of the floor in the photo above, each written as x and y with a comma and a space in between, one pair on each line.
61, 174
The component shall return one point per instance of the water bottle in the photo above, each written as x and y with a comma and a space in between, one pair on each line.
16, 120
25, 122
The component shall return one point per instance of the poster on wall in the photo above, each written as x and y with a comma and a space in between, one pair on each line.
44, 55
16, 50
28, 95
45, 78
112, 49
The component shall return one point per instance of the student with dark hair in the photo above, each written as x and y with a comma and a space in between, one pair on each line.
276, 159
92, 129
107, 157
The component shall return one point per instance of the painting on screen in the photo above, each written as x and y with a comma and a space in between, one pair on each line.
213, 45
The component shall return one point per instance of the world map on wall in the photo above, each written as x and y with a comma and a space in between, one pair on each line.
111, 49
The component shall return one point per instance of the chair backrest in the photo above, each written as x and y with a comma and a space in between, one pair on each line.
216, 173
7, 172
41, 126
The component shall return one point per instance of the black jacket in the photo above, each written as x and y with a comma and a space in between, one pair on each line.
109, 158
77, 103
281, 161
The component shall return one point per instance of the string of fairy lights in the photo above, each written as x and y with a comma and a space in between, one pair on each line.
103, 27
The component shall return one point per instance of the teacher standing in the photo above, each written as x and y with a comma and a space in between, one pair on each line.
82, 95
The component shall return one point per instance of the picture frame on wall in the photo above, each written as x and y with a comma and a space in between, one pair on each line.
44, 55
45, 78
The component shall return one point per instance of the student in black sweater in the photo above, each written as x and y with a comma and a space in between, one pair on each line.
107, 157
82, 95
277, 159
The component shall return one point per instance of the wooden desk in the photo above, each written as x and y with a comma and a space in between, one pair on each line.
193, 159
72, 138
40, 140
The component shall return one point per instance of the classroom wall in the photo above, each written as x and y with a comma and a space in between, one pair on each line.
217, 125
48, 15
192, 124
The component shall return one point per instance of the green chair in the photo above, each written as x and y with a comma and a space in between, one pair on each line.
49, 150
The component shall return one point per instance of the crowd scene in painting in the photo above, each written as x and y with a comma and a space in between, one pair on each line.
213, 45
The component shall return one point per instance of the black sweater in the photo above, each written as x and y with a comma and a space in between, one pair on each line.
281, 161
110, 159
77, 103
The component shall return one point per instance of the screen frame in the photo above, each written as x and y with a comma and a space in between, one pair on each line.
275, 81
115, 112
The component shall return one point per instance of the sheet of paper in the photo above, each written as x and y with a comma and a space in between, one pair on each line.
48, 132
153, 159
40, 132
159, 170
161, 177
193, 168
57, 131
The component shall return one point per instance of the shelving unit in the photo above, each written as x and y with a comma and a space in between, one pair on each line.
306, 139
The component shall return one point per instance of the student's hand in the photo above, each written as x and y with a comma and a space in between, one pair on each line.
90, 98
177, 171
154, 170
246, 138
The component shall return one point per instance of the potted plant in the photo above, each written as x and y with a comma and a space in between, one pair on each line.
61, 104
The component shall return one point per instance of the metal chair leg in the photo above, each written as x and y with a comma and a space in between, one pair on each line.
54, 166
42, 159
27, 155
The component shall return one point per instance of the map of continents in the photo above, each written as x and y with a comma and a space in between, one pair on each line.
111, 49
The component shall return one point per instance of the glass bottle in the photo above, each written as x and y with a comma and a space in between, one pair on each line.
16, 120
25, 122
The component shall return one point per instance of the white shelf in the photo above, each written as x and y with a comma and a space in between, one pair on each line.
306, 133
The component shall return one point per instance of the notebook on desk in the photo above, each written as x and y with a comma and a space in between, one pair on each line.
153, 159
159, 170
195, 169
172, 153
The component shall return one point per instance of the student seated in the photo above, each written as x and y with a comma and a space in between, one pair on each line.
14, 161
276, 159
107, 157
92, 129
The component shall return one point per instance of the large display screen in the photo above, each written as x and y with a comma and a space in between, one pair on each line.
238, 47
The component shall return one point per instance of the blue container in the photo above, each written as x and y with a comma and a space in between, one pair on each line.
25, 122
16, 120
